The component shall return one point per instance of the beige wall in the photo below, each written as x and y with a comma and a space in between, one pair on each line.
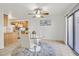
56, 31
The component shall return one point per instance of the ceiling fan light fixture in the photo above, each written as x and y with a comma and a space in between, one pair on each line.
38, 15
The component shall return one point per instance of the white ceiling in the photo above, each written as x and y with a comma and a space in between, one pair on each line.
22, 9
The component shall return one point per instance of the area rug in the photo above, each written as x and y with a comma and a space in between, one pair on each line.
46, 50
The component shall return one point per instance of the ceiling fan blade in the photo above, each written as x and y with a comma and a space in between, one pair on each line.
45, 13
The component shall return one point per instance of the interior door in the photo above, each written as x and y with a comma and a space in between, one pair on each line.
77, 32
70, 31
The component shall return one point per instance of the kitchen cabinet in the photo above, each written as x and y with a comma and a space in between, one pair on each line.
5, 20
10, 38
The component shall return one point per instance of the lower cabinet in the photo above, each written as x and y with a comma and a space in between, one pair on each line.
10, 38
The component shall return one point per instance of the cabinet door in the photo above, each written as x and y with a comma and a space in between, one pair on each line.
5, 20
70, 31
77, 32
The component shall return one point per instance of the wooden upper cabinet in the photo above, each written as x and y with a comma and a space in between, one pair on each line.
25, 24
5, 20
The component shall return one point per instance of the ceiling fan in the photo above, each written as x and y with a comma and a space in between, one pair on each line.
39, 12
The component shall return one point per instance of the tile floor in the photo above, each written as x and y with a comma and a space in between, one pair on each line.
60, 49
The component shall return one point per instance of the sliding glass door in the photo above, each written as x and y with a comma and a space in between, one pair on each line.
73, 31
70, 31
76, 19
